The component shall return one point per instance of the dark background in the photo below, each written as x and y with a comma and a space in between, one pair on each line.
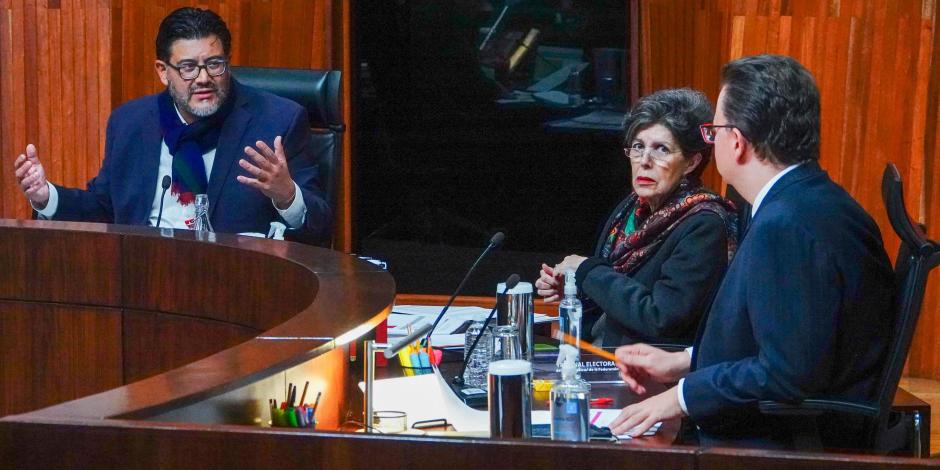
440, 166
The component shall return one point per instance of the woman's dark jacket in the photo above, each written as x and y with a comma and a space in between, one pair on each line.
662, 299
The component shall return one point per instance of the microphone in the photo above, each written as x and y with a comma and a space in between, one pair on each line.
495, 242
510, 284
165, 184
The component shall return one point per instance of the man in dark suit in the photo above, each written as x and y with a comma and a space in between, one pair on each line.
205, 134
804, 307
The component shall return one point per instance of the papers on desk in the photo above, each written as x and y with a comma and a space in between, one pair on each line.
450, 331
427, 397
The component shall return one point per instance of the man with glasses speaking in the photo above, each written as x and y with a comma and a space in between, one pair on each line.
205, 134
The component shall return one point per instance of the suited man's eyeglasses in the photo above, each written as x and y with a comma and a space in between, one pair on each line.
710, 131
191, 70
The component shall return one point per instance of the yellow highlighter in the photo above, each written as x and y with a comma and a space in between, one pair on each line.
404, 357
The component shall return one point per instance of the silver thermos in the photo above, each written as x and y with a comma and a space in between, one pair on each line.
517, 308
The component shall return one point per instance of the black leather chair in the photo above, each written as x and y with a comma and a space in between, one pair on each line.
319, 92
886, 430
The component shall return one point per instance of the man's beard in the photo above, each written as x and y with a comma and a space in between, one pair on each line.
182, 101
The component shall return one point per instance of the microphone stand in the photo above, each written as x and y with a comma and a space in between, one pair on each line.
165, 184
373, 347
495, 242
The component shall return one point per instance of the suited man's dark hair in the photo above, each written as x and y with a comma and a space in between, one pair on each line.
773, 100
191, 23
681, 110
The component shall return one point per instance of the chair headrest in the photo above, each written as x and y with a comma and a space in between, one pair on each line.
318, 91
892, 192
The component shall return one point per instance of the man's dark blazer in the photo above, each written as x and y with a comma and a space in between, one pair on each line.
803, 311
662, 299
123, 191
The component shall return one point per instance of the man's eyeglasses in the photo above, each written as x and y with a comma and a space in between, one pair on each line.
710, 131
191, 70
658, 154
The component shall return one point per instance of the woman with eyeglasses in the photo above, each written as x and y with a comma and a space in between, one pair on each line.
664, 249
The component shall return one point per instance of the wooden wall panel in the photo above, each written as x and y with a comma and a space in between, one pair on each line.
51, 90
65, 65
876, 64
86, 358
925, 359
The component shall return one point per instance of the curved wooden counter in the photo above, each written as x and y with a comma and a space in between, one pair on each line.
110, 311
88, 308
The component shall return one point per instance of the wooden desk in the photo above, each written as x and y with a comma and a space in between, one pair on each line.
174, 326
904, 401
87, 307
622, 396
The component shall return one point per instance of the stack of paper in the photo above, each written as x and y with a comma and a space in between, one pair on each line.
450, 331
427, 397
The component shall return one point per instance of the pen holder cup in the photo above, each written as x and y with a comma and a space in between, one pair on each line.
290, 418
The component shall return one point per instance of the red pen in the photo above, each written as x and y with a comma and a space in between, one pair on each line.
602, 401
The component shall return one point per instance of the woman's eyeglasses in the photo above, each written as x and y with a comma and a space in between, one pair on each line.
658, 154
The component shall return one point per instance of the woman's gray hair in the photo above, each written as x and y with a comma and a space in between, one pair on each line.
681, 110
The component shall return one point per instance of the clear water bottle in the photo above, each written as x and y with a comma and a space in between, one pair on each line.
569, 401
201, 219
569, 314
475, 376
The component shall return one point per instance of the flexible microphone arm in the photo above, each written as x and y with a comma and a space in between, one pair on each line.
510, 284
165, 184
495, 242
392, 350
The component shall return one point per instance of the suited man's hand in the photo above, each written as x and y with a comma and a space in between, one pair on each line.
31, 177
639, 417
271, 175
639, 363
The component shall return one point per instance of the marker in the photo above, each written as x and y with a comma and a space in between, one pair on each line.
316, 404
304, 394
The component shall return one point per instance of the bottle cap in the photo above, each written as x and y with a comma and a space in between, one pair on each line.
570, 287
510, 367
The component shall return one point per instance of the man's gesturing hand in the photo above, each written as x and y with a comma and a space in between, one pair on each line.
31, 177
639, 363
271, 175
